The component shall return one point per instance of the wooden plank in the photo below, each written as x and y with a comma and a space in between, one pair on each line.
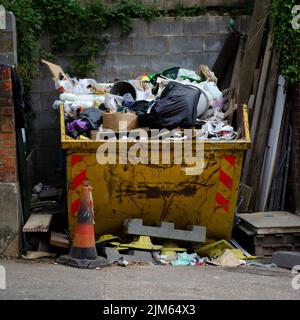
259, 141
238, 64
272, 147
250, 106
256, 79
245, 192
38, 223
258, 103
59, 239
253, 47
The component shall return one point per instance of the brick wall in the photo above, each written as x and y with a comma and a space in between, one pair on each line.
9, 189
151, 47
8, 165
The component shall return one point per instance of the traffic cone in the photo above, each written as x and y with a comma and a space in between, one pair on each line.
83, 253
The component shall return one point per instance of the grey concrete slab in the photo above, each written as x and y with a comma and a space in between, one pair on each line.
165, 230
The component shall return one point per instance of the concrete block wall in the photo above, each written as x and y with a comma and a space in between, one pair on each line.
151, 47
9, 195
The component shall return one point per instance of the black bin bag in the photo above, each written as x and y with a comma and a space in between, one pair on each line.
177, 107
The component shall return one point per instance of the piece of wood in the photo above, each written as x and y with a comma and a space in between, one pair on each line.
260, 140
253, 46
256, 79
238, 64
251, 105
207, 73
38, 223
271, 222
245, 192
254, 118
33, 255
273, 141
56, 71
59, 240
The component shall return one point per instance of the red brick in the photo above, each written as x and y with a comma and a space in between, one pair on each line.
5, 101
7, 136
7, 144
6, 89
8, 177
7, 162
6, 111
5, 73
7, 152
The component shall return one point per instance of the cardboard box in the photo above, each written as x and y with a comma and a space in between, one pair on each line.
119, 121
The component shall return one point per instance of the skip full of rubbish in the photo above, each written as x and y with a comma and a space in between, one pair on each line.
175, 98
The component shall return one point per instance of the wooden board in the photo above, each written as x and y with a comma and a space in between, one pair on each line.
56, 71
38, 223
255, 113
271, 222
245, 192
253, 47
238, 64
260, 139
59, 239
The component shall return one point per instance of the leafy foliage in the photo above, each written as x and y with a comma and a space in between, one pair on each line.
286, 39
72, 24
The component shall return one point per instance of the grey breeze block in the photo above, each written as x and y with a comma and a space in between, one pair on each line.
113, 255
165, 230
286, 259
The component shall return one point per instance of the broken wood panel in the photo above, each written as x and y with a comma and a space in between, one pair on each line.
38, 223
261, 137
238, 64
253, 47
254, 120
59, 240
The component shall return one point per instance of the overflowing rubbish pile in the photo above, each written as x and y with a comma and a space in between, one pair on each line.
176, 98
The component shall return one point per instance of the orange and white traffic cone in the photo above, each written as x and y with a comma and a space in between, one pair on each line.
83, 253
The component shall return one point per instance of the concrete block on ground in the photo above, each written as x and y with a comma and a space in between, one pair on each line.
286, 259
113, 255
165, 230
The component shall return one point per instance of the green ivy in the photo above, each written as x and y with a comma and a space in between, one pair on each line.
80, 26
76, 25
286, 39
